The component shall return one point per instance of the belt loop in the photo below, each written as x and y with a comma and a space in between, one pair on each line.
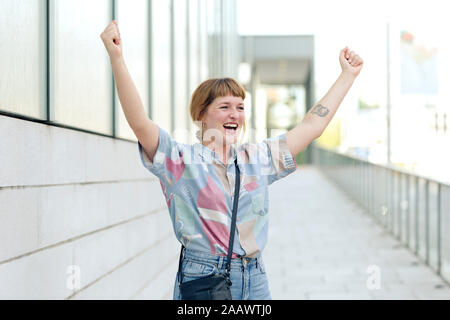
219, 265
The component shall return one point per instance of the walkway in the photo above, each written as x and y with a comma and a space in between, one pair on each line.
322, 245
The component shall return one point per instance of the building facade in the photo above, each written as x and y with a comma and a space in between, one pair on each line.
80, 217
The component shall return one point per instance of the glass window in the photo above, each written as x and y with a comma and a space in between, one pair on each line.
81, 76
234, 40
211, 27
219, 38
180, 94
132, 18
194, 56
161, 63
226, 37
23, 57
204, 40
194, 45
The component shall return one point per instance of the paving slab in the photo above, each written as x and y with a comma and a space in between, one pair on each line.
323, 245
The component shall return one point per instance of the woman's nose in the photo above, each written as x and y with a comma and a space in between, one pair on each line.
234, 114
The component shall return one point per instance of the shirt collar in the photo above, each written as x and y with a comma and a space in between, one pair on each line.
209, 155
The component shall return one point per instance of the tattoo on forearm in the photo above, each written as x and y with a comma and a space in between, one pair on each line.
320, 110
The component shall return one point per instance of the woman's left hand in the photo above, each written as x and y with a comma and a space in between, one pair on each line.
350, 62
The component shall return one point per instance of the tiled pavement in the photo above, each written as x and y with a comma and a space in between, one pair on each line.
322, 245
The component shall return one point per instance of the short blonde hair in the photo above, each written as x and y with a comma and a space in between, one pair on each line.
211, 89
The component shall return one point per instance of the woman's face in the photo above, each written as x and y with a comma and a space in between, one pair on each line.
224, 119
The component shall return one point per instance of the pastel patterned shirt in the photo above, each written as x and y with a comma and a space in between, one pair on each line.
199, 191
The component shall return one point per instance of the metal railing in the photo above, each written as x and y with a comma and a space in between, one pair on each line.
413, 208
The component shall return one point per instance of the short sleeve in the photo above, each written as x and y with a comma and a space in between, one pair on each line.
280, 161
167, 155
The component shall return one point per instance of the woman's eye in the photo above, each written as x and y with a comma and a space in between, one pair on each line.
223, 107
241, 108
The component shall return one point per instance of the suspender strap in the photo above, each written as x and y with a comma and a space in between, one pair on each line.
180, 276
237, 180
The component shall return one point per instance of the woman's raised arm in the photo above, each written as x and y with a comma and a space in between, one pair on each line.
317, 119
143, 127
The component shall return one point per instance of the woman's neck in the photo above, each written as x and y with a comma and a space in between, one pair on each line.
223, 151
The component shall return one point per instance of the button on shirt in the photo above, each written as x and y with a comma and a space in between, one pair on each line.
199, 191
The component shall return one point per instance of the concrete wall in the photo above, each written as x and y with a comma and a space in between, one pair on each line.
69, 198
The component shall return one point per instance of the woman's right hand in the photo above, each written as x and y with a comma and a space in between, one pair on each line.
112, 41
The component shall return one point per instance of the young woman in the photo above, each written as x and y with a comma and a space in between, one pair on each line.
198, 180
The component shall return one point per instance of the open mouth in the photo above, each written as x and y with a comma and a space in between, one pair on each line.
230, 127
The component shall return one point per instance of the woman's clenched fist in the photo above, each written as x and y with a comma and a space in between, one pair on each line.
350, 62
111, 39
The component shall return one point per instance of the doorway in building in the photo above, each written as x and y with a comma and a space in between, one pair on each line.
279, 108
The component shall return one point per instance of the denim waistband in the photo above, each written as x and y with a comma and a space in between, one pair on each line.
220, 260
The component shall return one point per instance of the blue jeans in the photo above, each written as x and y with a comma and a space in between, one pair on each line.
248, 275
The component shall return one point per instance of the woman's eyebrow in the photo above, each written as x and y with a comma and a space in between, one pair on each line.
226, 102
